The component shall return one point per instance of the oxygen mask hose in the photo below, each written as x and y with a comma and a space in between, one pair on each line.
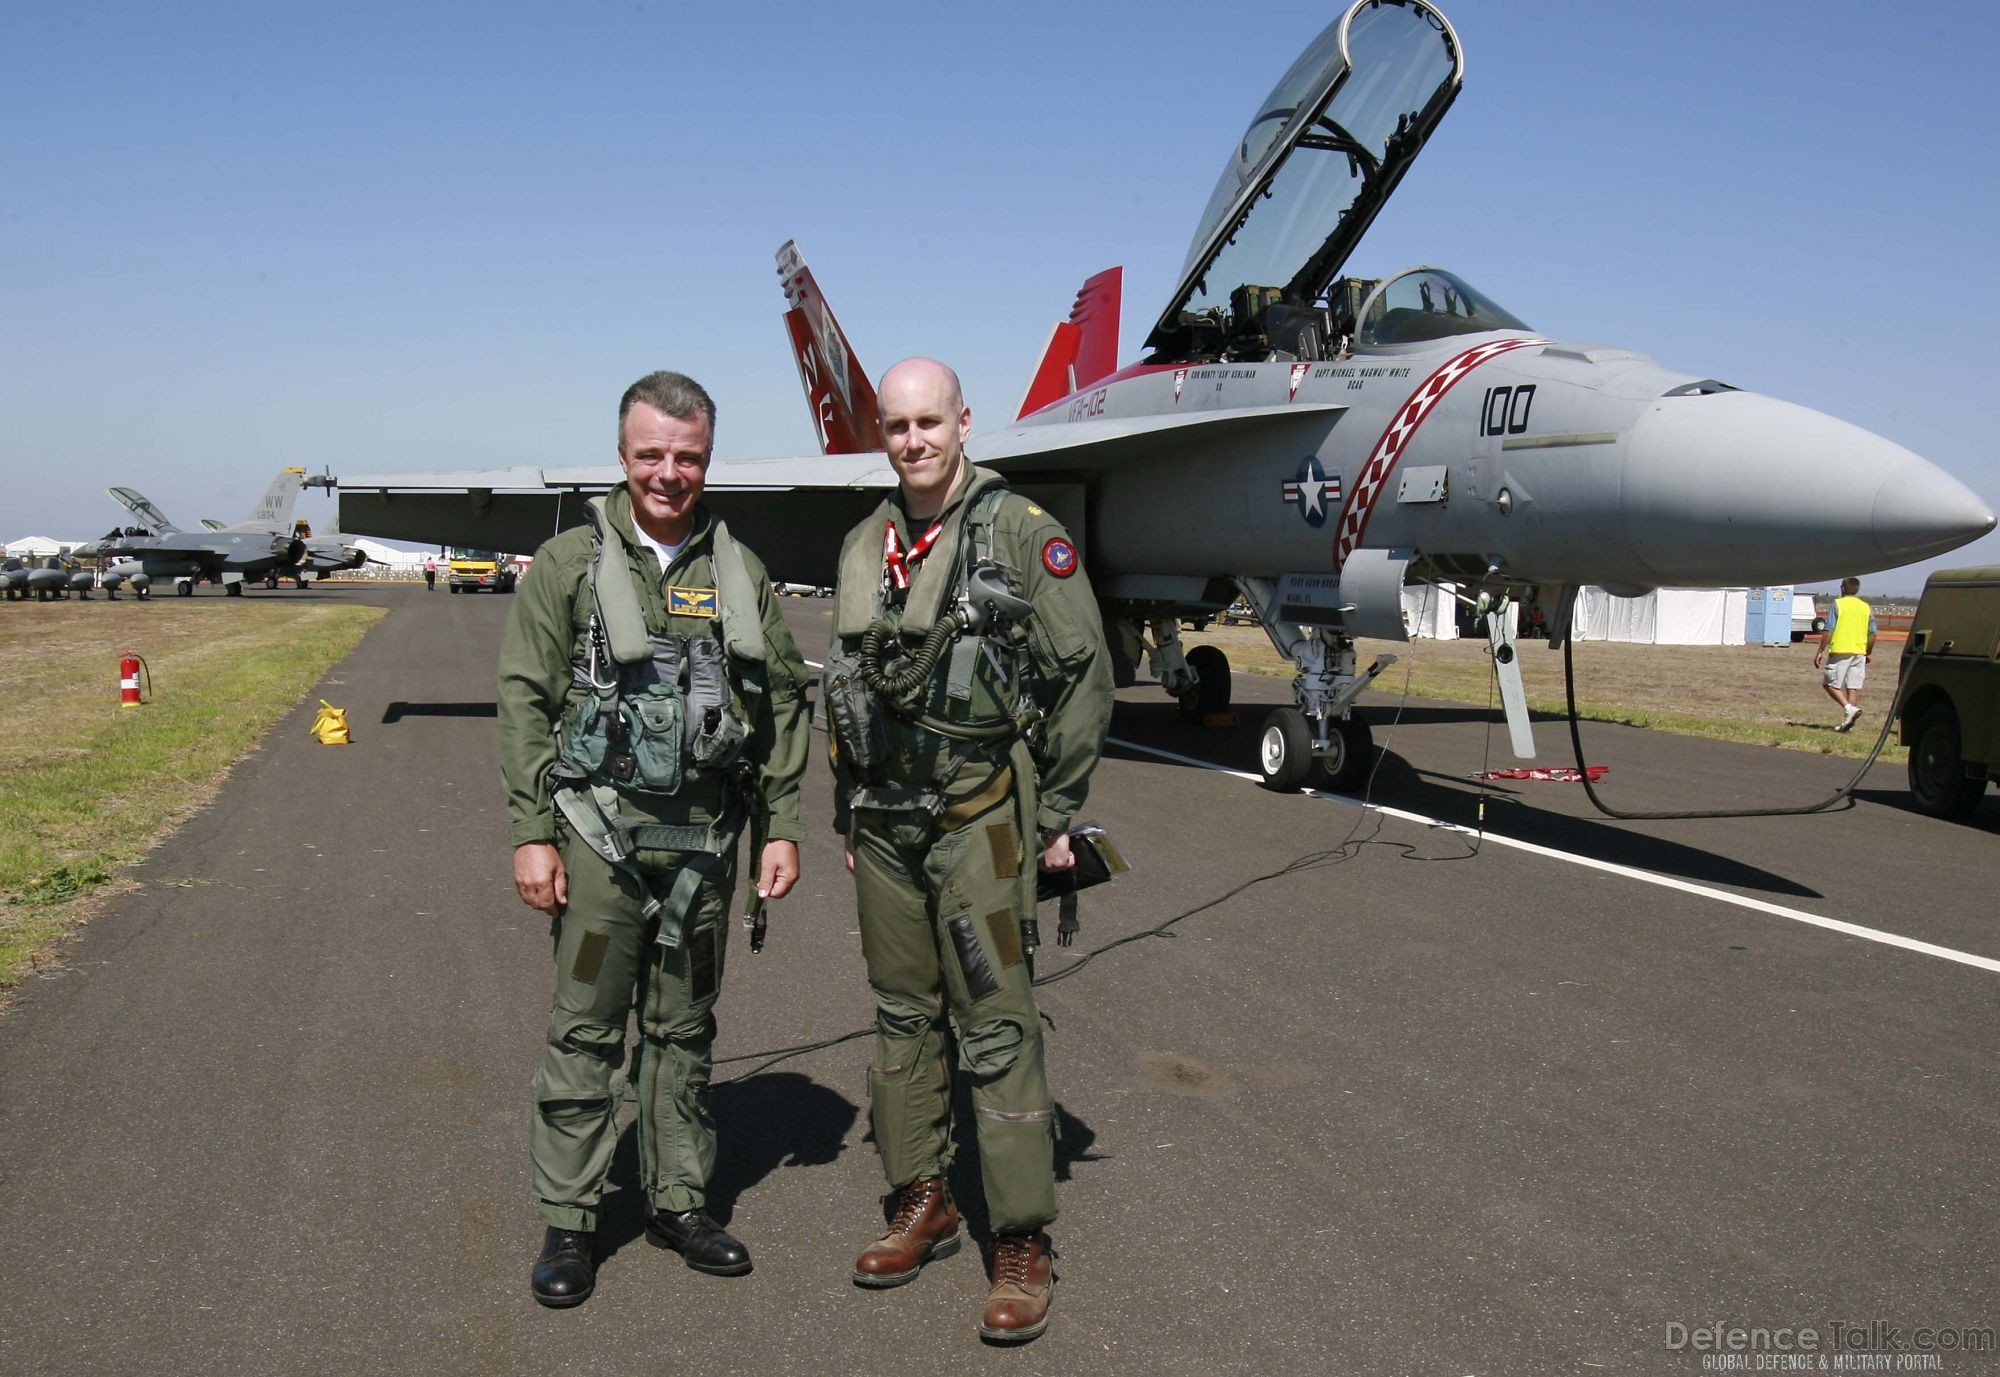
1838, 796
904, 687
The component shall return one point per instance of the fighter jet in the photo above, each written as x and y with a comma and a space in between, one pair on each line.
1312, 443
325, 554
156, 548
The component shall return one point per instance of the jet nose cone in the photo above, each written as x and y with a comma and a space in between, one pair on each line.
1922, 511
1737, 488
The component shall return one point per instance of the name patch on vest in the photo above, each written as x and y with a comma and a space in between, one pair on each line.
1059, 557
691, 602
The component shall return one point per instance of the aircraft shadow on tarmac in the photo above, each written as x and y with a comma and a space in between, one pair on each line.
399, 709
1398, 784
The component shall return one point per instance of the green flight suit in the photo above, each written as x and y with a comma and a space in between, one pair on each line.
942, 895
607, 954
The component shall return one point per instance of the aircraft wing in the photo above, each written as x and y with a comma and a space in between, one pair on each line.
792, 512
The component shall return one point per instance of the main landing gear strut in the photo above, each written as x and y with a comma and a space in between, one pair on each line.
1321, 731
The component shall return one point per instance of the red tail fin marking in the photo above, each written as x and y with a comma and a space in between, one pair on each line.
1096, 315
843, 402
1055, 375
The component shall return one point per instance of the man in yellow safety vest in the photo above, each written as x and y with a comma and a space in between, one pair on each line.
1844, 651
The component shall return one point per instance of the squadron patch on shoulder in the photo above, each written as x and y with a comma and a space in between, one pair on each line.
1059, 557
691, 602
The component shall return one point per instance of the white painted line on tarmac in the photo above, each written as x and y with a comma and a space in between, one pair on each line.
1887, 939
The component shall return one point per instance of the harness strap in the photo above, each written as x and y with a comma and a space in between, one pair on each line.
997, 786
887, 798
592, 813
658, 836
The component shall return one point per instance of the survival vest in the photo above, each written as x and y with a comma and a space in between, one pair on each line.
654, 708
1850, 627
954, 663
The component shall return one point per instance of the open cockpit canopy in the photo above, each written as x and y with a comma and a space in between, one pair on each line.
1422, 304
1316, 164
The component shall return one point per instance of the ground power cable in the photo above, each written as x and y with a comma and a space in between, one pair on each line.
1841, 795
1346, 849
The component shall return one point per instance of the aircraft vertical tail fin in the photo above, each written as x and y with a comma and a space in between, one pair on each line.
1055, 376
1095, 314
151, 517
1081, 349
843, 403
276, 507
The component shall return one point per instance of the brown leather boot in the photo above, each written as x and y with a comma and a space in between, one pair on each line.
1017, 1308
925, 1226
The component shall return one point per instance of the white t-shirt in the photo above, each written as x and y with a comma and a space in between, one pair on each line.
667, 553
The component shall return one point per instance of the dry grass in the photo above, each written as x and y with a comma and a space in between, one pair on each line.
85, 786
1769, 696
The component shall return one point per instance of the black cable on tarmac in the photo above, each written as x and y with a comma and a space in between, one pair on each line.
1832, 800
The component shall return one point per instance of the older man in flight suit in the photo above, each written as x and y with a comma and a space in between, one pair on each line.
650, 701
968, 694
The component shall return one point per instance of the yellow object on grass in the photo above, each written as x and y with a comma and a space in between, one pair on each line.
329, 726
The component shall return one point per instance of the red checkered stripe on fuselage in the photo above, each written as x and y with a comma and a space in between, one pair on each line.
1360, 504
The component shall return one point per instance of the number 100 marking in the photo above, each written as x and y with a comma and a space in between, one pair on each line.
1505, 410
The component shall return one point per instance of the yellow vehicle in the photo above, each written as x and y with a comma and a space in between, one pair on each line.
471, 570
1951, 698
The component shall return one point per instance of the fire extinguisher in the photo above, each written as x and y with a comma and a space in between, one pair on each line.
129, 667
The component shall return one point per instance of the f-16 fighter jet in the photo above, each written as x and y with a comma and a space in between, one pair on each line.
1311, 442
325, 554
156, 549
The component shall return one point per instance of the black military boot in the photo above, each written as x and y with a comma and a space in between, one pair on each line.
566, 1272
700, 1241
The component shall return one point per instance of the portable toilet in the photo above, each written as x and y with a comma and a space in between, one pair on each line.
1770, 617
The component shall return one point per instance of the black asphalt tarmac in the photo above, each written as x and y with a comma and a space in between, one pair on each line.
1397, 1108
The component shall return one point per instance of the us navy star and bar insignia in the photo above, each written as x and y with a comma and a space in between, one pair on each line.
691, 602
1312, 490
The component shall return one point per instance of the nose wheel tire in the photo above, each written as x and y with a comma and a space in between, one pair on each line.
1211, 667
1284, 750
1345, 768
1285, 756
1939, 785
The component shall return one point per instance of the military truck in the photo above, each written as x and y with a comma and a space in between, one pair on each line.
471, 570
1951, 699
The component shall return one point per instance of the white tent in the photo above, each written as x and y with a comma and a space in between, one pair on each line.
1666, 616
1431, 612
35, 547
394, 558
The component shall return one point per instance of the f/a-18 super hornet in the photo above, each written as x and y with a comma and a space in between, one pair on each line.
155, 548
324, 554
1312, 443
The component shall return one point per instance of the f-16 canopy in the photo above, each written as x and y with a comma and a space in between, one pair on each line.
1320, 158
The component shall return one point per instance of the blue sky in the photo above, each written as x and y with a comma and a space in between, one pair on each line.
439, 236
